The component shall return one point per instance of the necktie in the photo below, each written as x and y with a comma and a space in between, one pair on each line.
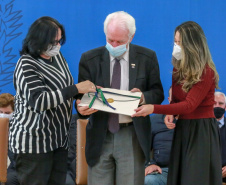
113, 121
218, 123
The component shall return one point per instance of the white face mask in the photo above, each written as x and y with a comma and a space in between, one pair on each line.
177, 51
2, 115
52, 51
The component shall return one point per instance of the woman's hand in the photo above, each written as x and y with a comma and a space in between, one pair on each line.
85, 110
85, 87
169, 122
144, 110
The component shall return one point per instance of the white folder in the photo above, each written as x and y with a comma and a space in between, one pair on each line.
123, 101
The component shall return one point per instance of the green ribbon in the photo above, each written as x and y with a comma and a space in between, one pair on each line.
96, 96
103, 99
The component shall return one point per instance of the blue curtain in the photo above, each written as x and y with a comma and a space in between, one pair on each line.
83, 21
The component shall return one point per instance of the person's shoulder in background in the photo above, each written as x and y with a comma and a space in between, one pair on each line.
157, 119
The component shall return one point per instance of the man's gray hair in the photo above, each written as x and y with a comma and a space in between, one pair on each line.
218, 93
123, 19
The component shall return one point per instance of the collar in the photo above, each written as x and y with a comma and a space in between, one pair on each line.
46, 60
221, 122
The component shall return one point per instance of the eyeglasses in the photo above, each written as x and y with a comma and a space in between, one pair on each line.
54, 43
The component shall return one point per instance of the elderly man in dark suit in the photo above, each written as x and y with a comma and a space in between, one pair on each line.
219, 110
117, 145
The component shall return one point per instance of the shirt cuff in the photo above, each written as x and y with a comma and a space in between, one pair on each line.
69, 92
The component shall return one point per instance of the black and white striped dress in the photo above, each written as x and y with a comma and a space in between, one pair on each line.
43, 105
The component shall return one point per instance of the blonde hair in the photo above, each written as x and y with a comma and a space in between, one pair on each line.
195, 56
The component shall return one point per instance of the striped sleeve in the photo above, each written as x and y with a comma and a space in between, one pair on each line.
37, 94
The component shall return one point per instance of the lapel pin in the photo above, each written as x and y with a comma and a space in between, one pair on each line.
133, 65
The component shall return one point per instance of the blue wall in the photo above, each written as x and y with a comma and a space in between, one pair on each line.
83, 21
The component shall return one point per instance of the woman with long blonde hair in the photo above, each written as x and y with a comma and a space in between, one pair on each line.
195, 155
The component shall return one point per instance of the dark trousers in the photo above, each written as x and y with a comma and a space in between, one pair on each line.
224, 179
12, 177
42, 169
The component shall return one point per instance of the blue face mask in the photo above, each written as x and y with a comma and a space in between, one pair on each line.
116, 51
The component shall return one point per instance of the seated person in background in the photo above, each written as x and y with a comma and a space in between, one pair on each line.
7, 107
219, 110
157, 171
6, 104
71, 172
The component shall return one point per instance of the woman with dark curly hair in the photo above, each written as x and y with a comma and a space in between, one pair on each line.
45, 91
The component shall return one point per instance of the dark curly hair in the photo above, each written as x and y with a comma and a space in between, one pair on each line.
41, 34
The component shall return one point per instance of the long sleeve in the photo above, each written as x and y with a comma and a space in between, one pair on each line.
199, 99
43, 105
38, 95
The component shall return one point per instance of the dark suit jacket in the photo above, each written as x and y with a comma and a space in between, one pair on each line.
95, 66
223, 144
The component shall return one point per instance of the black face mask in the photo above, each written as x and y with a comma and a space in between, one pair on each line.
218, 112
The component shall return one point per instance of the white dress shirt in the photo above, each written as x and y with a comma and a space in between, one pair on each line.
124, 85
221, 122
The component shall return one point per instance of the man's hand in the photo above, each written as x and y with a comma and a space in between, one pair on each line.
224, 172
85, 111
138, 90
152, 168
